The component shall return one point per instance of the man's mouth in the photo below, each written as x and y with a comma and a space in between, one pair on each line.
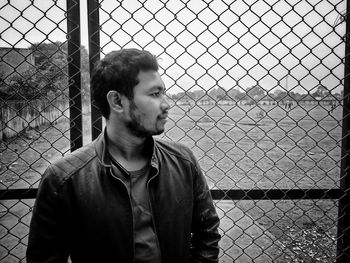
163, 117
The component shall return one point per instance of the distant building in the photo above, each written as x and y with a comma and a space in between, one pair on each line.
15, 60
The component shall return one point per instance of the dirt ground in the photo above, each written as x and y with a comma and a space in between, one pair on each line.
25, 157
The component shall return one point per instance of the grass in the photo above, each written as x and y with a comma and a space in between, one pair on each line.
310, 244
237, 147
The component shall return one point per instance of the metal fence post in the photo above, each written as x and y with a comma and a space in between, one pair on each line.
343, 246
74, 58
94, 57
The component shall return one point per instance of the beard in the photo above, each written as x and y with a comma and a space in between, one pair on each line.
135, 124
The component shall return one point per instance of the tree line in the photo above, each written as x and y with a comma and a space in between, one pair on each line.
48, 77
256, 93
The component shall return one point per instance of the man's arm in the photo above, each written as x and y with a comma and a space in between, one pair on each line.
205, 223
47, 241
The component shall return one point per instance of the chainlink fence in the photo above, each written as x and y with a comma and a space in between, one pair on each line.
257, 90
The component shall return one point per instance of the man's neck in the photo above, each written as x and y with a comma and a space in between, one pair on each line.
128, 150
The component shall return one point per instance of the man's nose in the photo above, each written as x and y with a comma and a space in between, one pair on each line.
165, 104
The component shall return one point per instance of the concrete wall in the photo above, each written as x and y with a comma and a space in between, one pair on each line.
16, 116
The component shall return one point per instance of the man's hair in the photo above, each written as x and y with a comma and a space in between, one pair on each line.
118, 71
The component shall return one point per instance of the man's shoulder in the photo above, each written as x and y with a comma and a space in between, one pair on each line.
175, 148
74, 161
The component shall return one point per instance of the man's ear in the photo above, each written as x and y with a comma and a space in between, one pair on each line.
114, 100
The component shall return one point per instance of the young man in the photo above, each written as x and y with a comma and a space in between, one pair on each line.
126, 197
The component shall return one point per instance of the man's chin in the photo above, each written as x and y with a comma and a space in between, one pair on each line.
145, 134
158, 131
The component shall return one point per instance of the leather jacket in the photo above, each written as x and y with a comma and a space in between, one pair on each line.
84, 212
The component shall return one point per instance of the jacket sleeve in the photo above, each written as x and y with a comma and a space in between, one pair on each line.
47, 240
205, 223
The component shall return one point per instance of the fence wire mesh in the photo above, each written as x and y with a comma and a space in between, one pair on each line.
35, 107
257, 92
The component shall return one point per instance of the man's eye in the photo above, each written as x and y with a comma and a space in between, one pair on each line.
156, 94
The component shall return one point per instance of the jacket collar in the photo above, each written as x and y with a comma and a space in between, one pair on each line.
103, 156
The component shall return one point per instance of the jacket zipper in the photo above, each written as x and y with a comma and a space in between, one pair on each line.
130, 205
153, 221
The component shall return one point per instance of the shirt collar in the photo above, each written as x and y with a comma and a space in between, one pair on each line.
102, 152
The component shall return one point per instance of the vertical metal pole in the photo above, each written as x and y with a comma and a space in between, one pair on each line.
75, 107
94, 57
343, 246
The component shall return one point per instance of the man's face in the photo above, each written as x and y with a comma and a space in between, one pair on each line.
148, 111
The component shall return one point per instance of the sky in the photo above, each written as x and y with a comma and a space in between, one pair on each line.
202, 44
